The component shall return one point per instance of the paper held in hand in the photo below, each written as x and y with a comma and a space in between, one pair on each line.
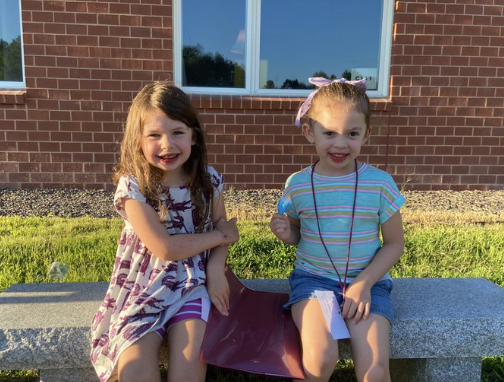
332, 314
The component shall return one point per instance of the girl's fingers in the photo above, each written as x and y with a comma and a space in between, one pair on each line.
226, 300
367, 310
347, 307
359, 312
218, 303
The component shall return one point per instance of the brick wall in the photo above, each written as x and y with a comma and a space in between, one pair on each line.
448, 94
85, 60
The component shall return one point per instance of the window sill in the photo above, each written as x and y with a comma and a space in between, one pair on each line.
381, 104
12, 97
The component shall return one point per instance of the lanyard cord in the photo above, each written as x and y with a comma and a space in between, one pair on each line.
343, 285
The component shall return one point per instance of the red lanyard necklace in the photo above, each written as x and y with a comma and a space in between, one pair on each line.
342, 284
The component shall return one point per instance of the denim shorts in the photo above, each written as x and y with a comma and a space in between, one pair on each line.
304, 284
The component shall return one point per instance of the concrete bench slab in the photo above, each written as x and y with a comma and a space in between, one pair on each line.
442, 329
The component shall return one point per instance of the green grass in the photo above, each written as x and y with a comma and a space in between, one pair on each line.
28, 247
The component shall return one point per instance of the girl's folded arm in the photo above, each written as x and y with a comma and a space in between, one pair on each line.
217, 285
146, 224
218, 254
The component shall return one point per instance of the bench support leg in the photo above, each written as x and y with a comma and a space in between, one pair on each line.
68, 375
436, 369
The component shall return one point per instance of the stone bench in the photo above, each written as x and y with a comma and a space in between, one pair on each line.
443, 327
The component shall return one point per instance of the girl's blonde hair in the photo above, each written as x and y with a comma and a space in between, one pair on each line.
341, 92
177, 106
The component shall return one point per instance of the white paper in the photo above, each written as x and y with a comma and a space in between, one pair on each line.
332, 314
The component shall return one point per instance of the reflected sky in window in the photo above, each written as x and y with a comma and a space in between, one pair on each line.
9, 20
329, 36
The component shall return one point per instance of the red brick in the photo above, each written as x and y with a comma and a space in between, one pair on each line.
51, 167
17, 156
70, 147
18, 177
39, 157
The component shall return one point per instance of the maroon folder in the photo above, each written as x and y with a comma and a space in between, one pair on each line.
257, 337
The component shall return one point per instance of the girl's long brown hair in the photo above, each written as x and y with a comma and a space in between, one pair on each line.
177, 106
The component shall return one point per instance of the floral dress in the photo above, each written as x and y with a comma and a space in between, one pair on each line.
145, 291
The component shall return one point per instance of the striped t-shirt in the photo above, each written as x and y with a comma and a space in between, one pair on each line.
378, 198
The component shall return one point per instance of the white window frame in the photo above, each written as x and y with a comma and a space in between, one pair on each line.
253, 38
17, 85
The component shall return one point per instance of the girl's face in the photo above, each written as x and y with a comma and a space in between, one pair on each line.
166, 144
338, 133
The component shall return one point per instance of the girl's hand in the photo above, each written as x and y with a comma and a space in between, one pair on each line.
228, 229
280, 226
357, 302
218, 289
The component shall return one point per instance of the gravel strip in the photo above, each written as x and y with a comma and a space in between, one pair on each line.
99, 203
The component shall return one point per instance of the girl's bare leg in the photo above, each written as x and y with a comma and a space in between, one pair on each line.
320, 351
140, 362
370, 342
185, 339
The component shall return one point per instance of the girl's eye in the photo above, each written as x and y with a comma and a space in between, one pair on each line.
354, 134
154, 135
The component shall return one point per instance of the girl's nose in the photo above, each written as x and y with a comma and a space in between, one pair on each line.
165, 142
339, 141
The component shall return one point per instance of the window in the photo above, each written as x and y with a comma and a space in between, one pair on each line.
11, 45
272, 47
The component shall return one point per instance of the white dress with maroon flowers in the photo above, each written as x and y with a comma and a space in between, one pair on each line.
144, 291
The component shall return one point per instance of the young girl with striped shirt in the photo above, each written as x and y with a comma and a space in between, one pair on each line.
338, 207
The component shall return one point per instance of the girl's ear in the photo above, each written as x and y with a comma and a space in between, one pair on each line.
308, 132
367, 135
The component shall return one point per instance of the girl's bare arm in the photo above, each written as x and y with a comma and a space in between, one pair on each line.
145, 222
217, 285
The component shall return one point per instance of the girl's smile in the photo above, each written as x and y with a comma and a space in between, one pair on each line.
338, 158
168, 158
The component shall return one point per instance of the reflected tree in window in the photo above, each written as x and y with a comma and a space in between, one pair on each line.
212, 70
10, 60
293, 84
321, 73
269, 85
347, 74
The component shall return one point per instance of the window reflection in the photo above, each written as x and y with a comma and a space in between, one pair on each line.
337, 40
213, 43
298, 40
